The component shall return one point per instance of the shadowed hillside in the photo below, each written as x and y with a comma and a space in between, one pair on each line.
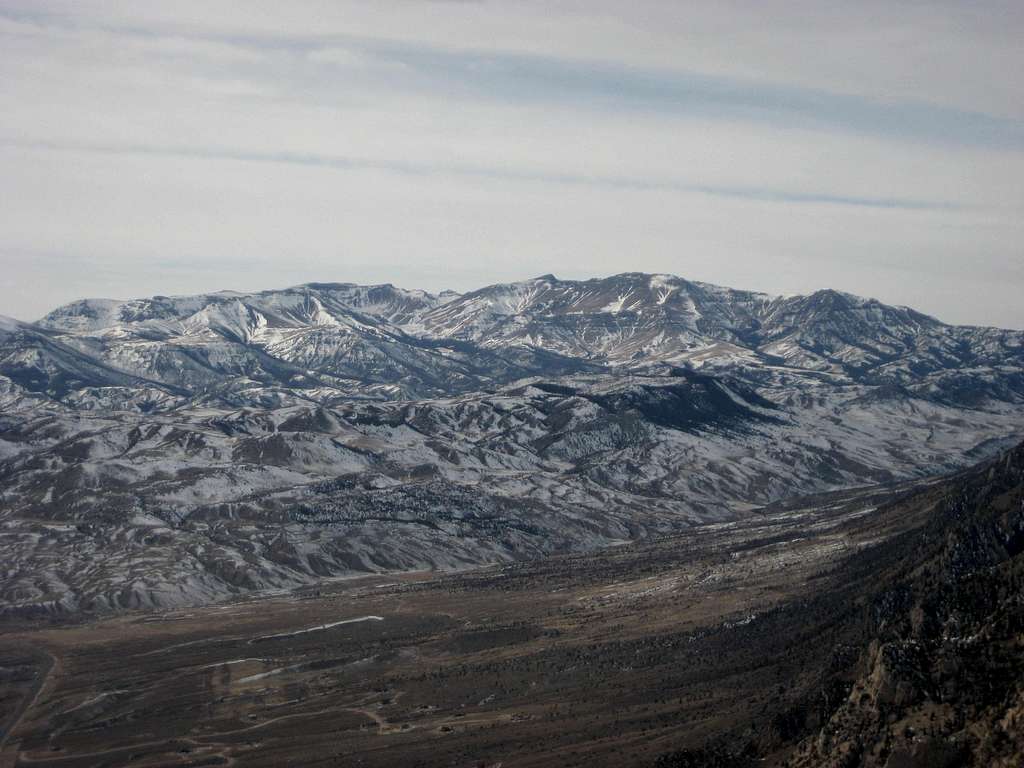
916, 649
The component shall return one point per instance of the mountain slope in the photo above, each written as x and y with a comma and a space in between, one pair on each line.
941, 682
629, 317
636, 319
905, 652
184, 506
310, 342
36, 361
391, 343
201, 446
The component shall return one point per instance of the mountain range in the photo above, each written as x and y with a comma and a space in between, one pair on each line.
173, 450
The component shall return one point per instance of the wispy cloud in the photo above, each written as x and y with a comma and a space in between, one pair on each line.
604, 86
589, 84
341, 163
784, 147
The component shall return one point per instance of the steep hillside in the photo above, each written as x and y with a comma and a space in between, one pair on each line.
111, 509
911, 653
941, 681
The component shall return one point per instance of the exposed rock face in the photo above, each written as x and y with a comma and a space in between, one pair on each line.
941, 682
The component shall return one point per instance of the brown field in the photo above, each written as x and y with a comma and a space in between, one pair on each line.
610, 658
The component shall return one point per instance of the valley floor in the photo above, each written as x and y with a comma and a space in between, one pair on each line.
610, 658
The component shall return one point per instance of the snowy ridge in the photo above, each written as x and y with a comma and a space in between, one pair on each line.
174, 450
631, 320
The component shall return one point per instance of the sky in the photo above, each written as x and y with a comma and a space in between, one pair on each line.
166, 148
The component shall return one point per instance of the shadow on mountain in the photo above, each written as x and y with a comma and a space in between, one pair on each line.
912, 656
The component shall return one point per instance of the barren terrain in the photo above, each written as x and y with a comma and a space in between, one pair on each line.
610, 658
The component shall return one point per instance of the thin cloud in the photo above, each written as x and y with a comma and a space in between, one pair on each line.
342, 163
784, 148
601, 85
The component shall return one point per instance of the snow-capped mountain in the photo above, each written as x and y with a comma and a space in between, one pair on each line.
389, 343
628, 318
635, 319
175, 449
294, 306
302, 342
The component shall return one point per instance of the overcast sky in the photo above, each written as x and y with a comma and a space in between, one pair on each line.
192, 146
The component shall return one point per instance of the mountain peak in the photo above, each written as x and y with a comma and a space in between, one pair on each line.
626, 320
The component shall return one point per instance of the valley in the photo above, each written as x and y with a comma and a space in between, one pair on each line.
735, 642
689, 433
